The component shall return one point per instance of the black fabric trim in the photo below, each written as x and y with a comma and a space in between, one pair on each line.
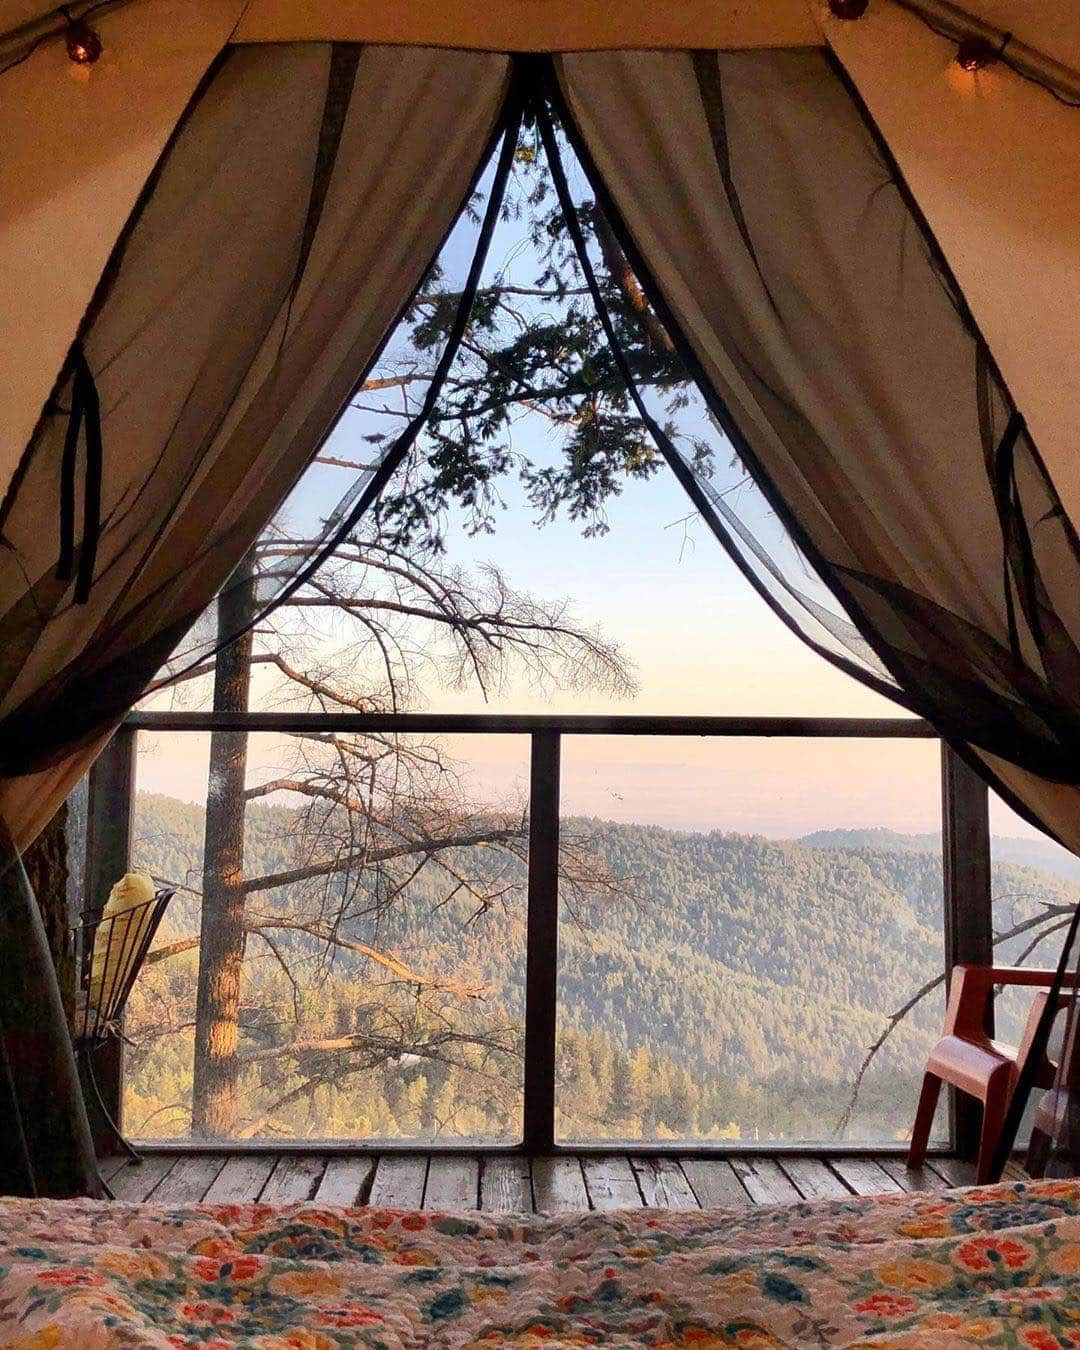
92, 487
340, 80
85, 416
66, 564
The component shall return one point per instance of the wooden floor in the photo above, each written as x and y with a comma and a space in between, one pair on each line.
500, 1182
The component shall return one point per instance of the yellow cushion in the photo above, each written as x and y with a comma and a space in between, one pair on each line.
127, 930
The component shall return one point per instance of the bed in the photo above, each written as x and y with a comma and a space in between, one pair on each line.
996, 1266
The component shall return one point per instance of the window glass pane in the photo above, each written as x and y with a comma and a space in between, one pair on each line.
76, 833
769, 903
375, 919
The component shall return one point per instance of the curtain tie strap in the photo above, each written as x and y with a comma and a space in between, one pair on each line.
85, 416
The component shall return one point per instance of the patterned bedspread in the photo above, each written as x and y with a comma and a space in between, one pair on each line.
998, 1266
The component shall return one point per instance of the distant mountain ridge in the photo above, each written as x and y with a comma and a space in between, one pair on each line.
1041, 853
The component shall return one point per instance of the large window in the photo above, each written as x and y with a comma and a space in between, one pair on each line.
380, 949
392, 925
731, 983
729, 940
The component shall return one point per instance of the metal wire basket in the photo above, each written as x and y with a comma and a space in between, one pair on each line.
110, 950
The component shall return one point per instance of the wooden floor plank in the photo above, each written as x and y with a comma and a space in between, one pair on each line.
912, 1179
293, 1179
715, 1183
137, 1180
663, 1183
108, 1167
558, 1185
953, 1171
188, 1181
453, 1182
813, 1180
241, 1180
764, 1181
864, 1176
506, 1185
611, 1183
346, 1180
399, 1181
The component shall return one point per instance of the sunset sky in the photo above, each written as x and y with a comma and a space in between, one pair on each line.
699, 638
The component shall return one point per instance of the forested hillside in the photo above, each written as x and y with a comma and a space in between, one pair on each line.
730, 988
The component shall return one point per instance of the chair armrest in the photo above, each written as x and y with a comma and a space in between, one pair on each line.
969, 1065
1028, 975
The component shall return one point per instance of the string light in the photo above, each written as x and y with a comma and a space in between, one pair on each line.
975, 53
83, 43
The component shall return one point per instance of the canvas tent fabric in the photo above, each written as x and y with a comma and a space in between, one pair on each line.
221, 342
574, 25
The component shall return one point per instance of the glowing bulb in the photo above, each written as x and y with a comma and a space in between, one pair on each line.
975, 53
82, 42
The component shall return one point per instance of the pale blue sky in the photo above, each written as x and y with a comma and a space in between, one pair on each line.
699, 638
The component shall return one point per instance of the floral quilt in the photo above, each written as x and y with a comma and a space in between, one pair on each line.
997, 1266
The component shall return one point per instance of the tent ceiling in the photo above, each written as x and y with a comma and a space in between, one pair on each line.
1052, 26
536, 25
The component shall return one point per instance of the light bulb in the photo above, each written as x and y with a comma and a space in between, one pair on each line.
82, 42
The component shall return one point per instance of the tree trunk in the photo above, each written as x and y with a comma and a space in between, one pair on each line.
222, 935
622, 274
46, 864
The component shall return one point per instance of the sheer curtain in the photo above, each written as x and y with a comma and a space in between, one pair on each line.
804, 291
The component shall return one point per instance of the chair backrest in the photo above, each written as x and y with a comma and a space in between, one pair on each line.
112, 949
